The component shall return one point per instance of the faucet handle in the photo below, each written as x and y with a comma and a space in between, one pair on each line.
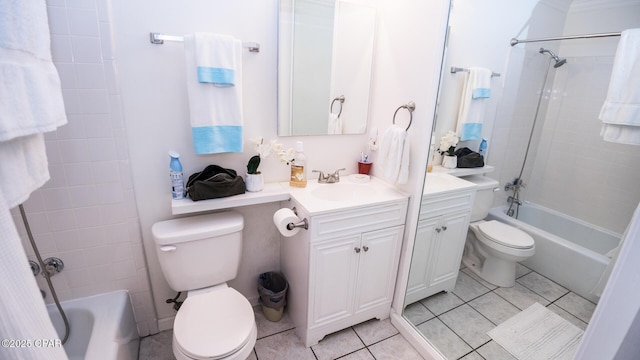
321, 176
336, 174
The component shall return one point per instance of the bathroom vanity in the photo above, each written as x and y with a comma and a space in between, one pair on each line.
445, 212
342, 270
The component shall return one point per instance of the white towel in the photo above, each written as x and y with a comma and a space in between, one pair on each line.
215, 112
30, 104
394, 155
23, 169
335, 124
30, 91
621, 110
216, 59
476, 89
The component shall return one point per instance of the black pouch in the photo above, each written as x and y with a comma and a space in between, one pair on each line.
468, 158
214, 182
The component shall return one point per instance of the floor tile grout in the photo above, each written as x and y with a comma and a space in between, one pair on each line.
474, 349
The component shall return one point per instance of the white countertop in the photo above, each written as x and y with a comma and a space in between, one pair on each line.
440, 183
462, 171
315, 198
319, 198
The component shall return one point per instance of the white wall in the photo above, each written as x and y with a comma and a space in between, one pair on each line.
576, 172
472, 43
86, 214
156, 112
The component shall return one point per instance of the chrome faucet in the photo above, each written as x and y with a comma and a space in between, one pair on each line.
330, 178
513, 200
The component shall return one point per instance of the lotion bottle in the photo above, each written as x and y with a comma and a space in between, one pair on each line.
298, 177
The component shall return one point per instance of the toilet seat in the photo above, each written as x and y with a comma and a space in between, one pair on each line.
506, 235
213, 325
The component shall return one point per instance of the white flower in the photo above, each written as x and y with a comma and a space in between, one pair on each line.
286, 156
264, 149
448, 143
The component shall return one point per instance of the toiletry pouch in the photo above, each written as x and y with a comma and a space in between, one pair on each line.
214, 182
468, 158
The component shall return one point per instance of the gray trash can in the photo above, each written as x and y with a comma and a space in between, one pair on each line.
272, 288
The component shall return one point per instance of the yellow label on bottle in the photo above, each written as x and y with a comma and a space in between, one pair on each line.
297, 176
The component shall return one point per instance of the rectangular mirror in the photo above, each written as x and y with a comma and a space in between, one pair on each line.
325, 59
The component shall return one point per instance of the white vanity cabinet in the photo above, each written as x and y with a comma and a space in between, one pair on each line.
342, 270
440, 238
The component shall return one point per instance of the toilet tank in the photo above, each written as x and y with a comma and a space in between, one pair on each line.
199, 251
484, 195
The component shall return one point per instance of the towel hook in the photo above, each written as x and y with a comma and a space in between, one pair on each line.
341, 100
410, 106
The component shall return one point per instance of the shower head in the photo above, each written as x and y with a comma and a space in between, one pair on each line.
559, 62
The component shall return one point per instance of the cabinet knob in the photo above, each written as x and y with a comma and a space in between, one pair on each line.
365, 248
357, 250
438, 229
444, 228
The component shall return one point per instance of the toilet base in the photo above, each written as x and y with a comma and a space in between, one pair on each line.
493, 270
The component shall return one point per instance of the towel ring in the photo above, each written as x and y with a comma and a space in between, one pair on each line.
410, 106
341, 100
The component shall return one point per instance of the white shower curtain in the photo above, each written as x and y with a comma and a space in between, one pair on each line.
30, 104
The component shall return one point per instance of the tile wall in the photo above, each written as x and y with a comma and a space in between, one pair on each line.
86, 214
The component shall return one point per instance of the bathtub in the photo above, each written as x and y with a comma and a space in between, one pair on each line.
102, 327
569, 251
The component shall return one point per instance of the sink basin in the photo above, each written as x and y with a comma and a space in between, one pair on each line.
342, 191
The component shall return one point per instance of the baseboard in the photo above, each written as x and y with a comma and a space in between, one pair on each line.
166, 323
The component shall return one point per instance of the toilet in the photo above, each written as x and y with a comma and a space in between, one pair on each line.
493, 248
199, 254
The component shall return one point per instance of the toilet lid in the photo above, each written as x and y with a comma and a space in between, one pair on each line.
214, 324
506, 235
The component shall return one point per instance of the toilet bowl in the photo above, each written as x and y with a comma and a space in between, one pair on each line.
199, 254
493, 248
214, 323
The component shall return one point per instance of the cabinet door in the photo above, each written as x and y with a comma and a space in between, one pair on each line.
378, 267
449, 247
419, 276
332, 278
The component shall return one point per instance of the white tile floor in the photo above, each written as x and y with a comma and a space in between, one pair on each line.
371, 340
457, 322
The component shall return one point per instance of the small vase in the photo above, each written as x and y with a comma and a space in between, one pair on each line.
254, 182
450, 162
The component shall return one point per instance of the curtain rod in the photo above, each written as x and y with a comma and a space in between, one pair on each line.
515, 41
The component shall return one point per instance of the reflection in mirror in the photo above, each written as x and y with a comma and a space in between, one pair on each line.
539, 105
325, 53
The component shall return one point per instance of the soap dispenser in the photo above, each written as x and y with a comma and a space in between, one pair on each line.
298, 177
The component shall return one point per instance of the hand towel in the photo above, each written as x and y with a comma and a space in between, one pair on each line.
215, 112
335, 124
394, 155
476, 89
30, 92
216, 59
621, 110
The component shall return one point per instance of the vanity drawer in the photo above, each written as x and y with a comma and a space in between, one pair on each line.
358, 220
446, 203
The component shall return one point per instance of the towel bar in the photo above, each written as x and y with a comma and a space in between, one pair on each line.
158, 39
458, 69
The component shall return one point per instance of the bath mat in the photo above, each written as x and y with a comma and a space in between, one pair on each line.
538, 333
